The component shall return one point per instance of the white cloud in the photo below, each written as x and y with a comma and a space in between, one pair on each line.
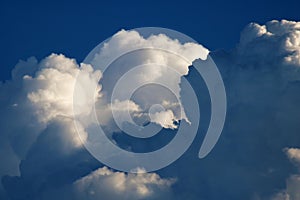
126, 41
294, 155
104, 183
293, 182
167, 61
51, 89
262, 81
38, 100
284, 36
164, 118
108, 113
44, 91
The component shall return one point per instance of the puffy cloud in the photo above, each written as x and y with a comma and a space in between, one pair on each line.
293, 185
153, 59
106, 184
293, 182
126, 41
282, 36
116, 110
51, 89
261, 76
38, 103
42, 149
262, 119
294, 155
164, 118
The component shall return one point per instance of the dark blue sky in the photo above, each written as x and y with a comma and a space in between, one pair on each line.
38, 28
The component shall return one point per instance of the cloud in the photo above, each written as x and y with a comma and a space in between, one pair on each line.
164, 118
126, 41
45, 94
108, 113
37, 103
156, 59
294, 155
106, 184
261, 77
51, 89
42, 149
280, 35
44, 157
293, 182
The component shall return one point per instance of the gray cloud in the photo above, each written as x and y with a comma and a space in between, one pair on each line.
261, 77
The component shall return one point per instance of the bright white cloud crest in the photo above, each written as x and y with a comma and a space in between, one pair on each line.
158, 53
140, 71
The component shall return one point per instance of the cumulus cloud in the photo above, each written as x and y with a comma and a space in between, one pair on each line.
154, 59
126, 41
294, 155
38, 94
117, 110
45, 94
51, 89
42, 148
280, 35
106, 184
37, 102
293, 182
261, 77
164, 118
45, 159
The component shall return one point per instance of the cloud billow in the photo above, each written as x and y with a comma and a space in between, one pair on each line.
257, 156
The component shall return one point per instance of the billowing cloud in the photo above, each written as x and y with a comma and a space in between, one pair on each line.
293, 182
42, 148
55, 82
164, 118
294, 155
261, 77
106, 184
37, 103
156, 59
44, 157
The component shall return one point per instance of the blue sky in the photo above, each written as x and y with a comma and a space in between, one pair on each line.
38, 28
